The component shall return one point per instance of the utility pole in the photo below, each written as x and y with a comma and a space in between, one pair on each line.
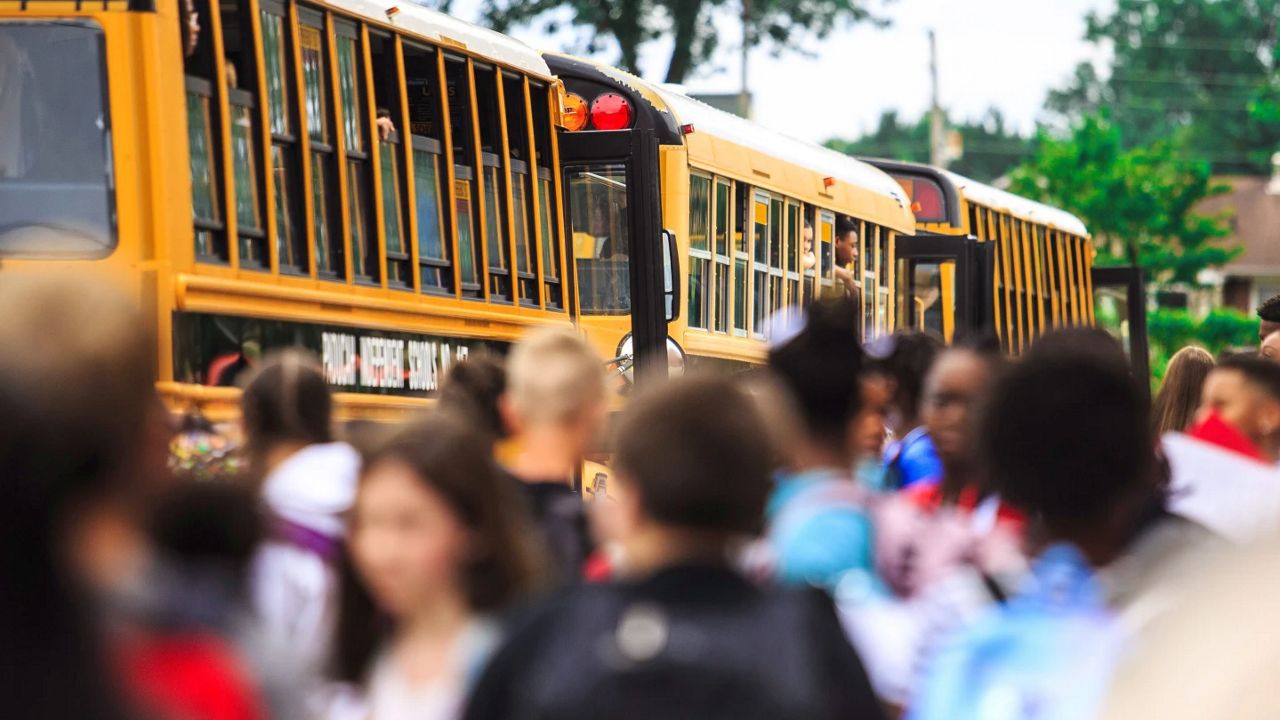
744, 95
937, 132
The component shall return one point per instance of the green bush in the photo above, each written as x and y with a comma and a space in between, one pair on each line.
1222, 329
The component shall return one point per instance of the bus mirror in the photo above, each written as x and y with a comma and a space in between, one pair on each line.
670, 281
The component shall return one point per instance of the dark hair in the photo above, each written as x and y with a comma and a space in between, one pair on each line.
1092, 341
472, 390
845, 225
820, 367
1259, 372
455, 462
209, 523
76, 401
285, 400
1179, 397
906, 363
698, 454
1066, 435
1269, 310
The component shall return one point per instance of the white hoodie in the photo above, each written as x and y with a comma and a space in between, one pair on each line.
293, 584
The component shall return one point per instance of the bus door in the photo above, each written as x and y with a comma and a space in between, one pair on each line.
625, 263
1120, 307
942, 281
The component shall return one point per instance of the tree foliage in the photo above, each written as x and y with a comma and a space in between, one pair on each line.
1223, 329
1138, 202
781, 25
990, 148
1208, 68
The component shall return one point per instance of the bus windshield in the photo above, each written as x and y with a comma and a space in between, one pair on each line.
55, 157
601, 242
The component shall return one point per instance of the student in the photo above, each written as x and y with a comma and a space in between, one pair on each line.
1066, 436
931, 527
555, 407
1271, 347
82, 459
1224, 473
819, 529
846, 251
1179, 397
904, 358
473, 391
386, 126
439, 542
871, 432
685, 636
1268, 317
307, 482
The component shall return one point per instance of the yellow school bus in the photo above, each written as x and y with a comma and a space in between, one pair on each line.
371, 180
986, 258
747, 218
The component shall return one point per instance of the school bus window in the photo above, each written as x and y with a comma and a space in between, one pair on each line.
252, 242
422, 80
364, 241
386, 96
204, 140
777, 253
826, 254
598, 206
458, 89
55, 160
741, 260
291, 242
521, 189
882, 277
793, 255
541, 99
808, 253
723, 263
699, 249
760, 262
325, 221
494, 182
210, 240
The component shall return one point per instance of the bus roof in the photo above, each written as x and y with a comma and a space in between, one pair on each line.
1016, 205
450, 32
747, 134
770, 154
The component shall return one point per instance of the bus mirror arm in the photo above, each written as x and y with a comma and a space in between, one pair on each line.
670, 276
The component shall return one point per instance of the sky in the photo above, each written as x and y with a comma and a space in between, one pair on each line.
1005, 54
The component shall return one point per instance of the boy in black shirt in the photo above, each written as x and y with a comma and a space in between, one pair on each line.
685, 636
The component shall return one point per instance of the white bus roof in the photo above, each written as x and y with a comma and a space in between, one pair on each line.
1031, 210
450, 31
703, 117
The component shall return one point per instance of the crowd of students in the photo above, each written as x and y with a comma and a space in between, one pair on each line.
899, 529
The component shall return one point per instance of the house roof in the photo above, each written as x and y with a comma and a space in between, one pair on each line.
1255, 224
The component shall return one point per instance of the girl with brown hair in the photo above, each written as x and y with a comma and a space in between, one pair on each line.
439, 544
1179, 397
307, 483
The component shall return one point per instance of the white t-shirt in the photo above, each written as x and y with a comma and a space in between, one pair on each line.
1235, 496
392, 696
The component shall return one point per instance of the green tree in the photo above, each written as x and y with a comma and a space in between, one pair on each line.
630, 24
1204, 67
1139, 203
990, 148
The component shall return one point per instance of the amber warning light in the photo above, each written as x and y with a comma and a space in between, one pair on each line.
575, 112
827, 182
393, 11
